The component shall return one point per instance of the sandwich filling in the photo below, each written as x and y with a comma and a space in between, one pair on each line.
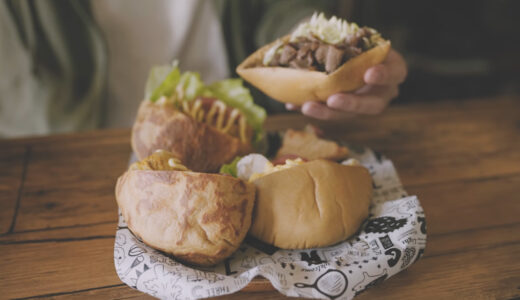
160, 160
322, 45
254, 166
225, 105
215, 113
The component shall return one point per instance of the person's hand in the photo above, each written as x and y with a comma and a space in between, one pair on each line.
382, 85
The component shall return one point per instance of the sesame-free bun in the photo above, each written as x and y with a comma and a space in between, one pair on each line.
316, 204
198, 218
199, 146
299, 85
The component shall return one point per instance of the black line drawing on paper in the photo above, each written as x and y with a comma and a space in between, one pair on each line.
198, 276
386, 242
163, 284
369, 281
384, 224
138, 274
374, 246
396, 255
312, 259
332, 284
408, 255
120, 239
160, 258
136, 250
119, 258
248, 262
423, 224
407, 234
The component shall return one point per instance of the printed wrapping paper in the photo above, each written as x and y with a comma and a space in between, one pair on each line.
389, 241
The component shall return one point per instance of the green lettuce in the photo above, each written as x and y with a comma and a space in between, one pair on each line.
233, 93
231, 168
168, 81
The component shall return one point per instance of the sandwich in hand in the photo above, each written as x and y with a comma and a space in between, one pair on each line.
320, 58
199, 218
303, 204
204, 126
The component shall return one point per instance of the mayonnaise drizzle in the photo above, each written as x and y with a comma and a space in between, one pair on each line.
195, 110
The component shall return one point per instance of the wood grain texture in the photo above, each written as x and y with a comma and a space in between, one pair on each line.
462, 159
89, 231
71, 183
469, 204
436, 142
13, 160
45, 268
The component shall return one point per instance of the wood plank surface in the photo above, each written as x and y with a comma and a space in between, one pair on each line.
436, 142
461, 158
13, 161
44, 268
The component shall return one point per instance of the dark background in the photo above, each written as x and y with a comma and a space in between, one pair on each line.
454, 49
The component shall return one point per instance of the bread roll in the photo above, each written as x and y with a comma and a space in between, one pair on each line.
199, 146
199, 218
315, 204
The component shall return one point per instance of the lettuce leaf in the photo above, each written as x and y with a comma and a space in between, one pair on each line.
231, 168
233, 93
167, 80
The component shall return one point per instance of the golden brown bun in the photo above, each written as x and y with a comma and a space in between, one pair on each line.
199, 218
308, 145
315, 204
199, 146
298, 86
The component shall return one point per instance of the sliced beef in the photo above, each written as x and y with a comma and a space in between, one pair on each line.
312, 54
288, 53
321, 54
306, 62
334, 59
304, 49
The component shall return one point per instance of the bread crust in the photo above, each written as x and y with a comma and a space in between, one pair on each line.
316, 204
298, 85
199, 218
200, 147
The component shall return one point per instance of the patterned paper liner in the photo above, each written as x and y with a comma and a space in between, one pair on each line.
390, 240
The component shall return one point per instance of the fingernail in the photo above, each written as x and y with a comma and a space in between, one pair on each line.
333, 101
374, 76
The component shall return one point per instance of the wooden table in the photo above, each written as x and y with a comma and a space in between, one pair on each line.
462, 158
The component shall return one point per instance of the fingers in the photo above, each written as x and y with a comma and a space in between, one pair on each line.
372, 102
392, 71
292, 107
320, 111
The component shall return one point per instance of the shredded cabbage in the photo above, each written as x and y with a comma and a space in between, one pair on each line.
331, 31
